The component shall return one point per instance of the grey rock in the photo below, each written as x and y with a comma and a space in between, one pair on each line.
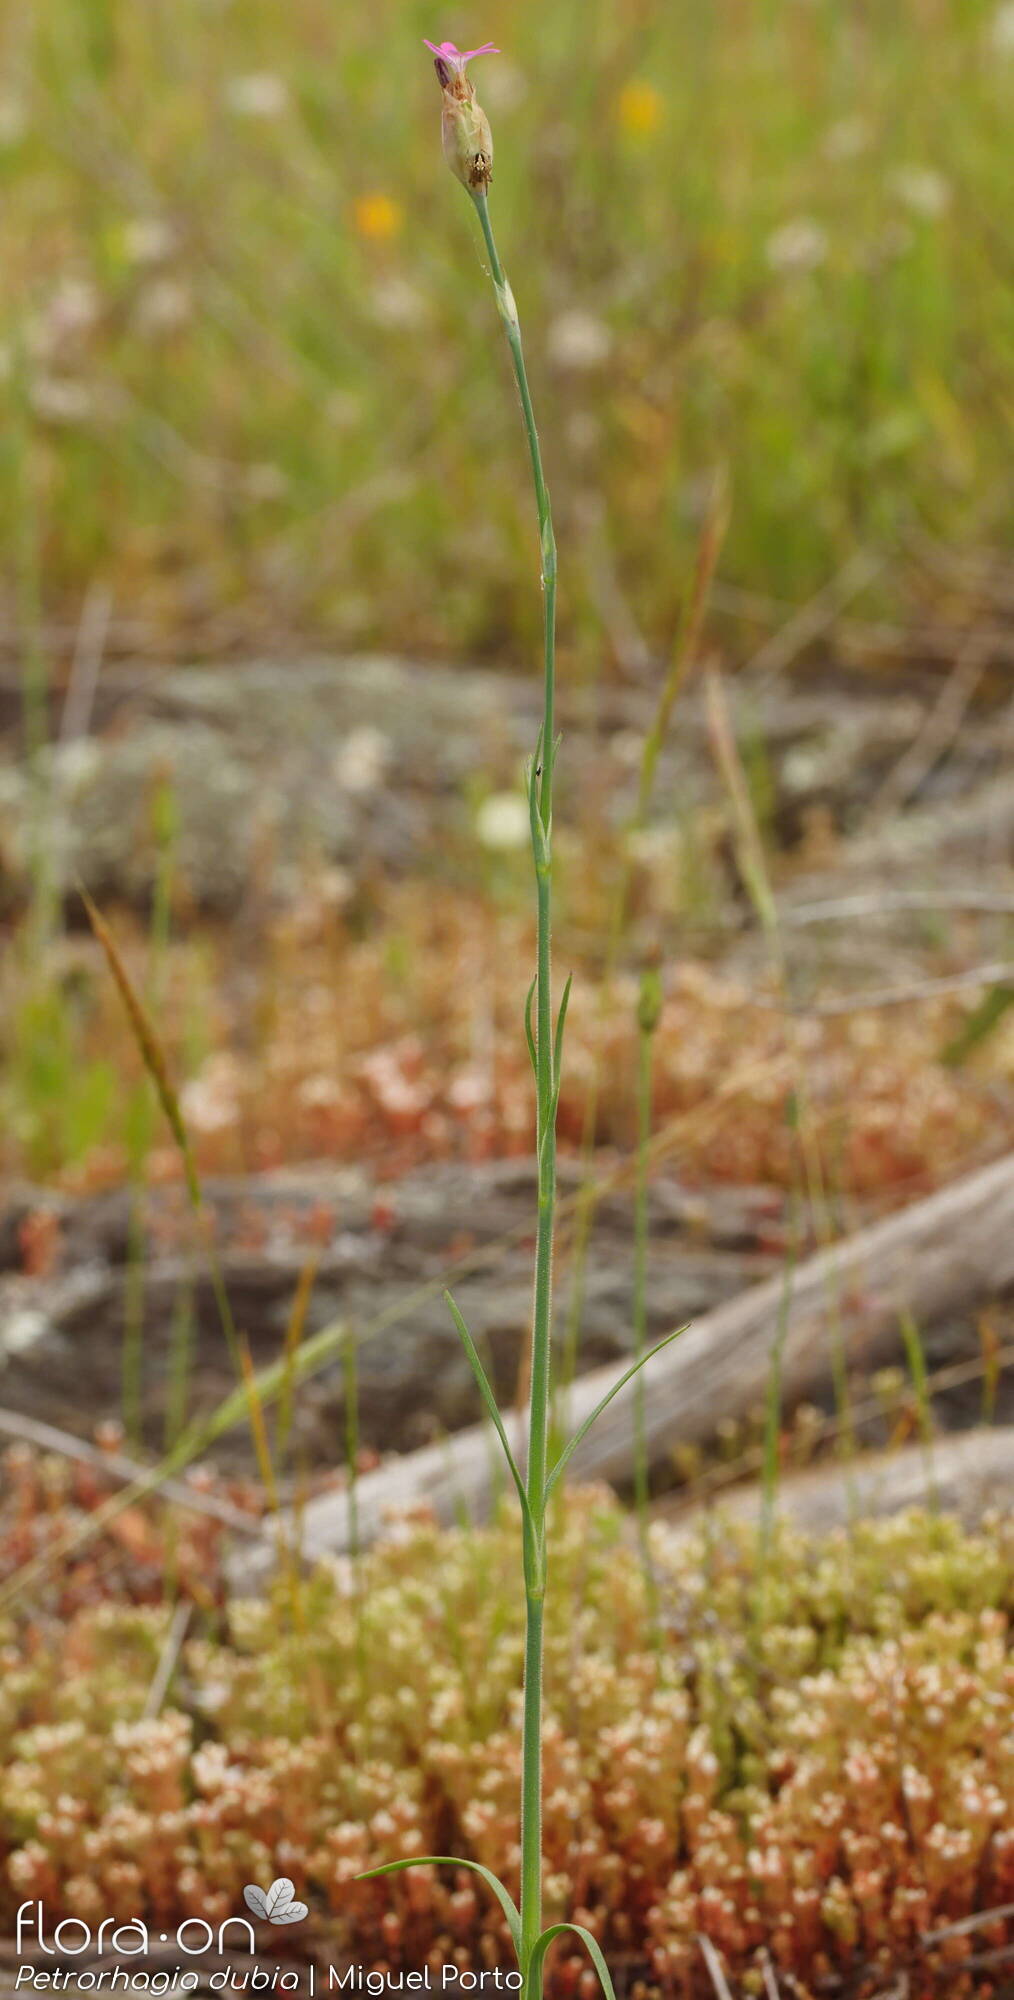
367, 762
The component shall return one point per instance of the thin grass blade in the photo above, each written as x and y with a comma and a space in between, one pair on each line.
542, 1944
561, 1022
155, 1062
582, 1430
529, 1030
486, 1392
505, 1900
146, 1037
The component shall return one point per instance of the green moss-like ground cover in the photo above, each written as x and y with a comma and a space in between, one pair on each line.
813, 1755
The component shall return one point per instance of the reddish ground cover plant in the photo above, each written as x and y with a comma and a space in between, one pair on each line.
351, 1058
831, 1785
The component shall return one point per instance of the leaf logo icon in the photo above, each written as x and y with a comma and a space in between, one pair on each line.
276, 1905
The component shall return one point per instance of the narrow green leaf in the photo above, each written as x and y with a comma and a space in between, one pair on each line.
486, 1392
981, 1023
540, 832
529, 1031
506, 1902
561, 1021
582, 1431
542, 1944
554, 1106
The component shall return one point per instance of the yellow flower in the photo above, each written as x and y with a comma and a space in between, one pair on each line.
378, 217
639, 108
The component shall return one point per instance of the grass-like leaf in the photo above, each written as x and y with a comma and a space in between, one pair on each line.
582, 1430
154, 1058
561, 1022
529, 1031
542, 1944
146, 1037
540, 830
505, 1900
486, 1392
978, 1027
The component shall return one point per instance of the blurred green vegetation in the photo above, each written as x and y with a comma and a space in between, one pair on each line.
243, 328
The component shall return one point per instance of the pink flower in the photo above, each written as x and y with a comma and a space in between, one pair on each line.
451, 61
468, 142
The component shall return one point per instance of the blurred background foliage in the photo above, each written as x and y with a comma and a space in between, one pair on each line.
246, 356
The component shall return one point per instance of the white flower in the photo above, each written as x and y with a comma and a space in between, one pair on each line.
1000, 33
148, 239
577, 340
502, 822
260, 94
78, 763
163, 307
846, 139
60, 401
69, 314
922, 190
210, 1100
398, 303
360, 762
797, 246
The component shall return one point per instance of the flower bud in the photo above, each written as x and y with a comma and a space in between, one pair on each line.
468, 141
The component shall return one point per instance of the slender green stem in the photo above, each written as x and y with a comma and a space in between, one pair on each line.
164, 828
649, 1008
641, 1278
546, 1134
531, 1791
26, 533
773, 1415
508, 313
546, 1099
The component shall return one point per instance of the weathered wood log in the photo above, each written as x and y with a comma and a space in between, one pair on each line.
62, 1334
939, 1256
963, 1475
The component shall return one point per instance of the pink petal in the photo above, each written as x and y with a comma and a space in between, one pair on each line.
457, 56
